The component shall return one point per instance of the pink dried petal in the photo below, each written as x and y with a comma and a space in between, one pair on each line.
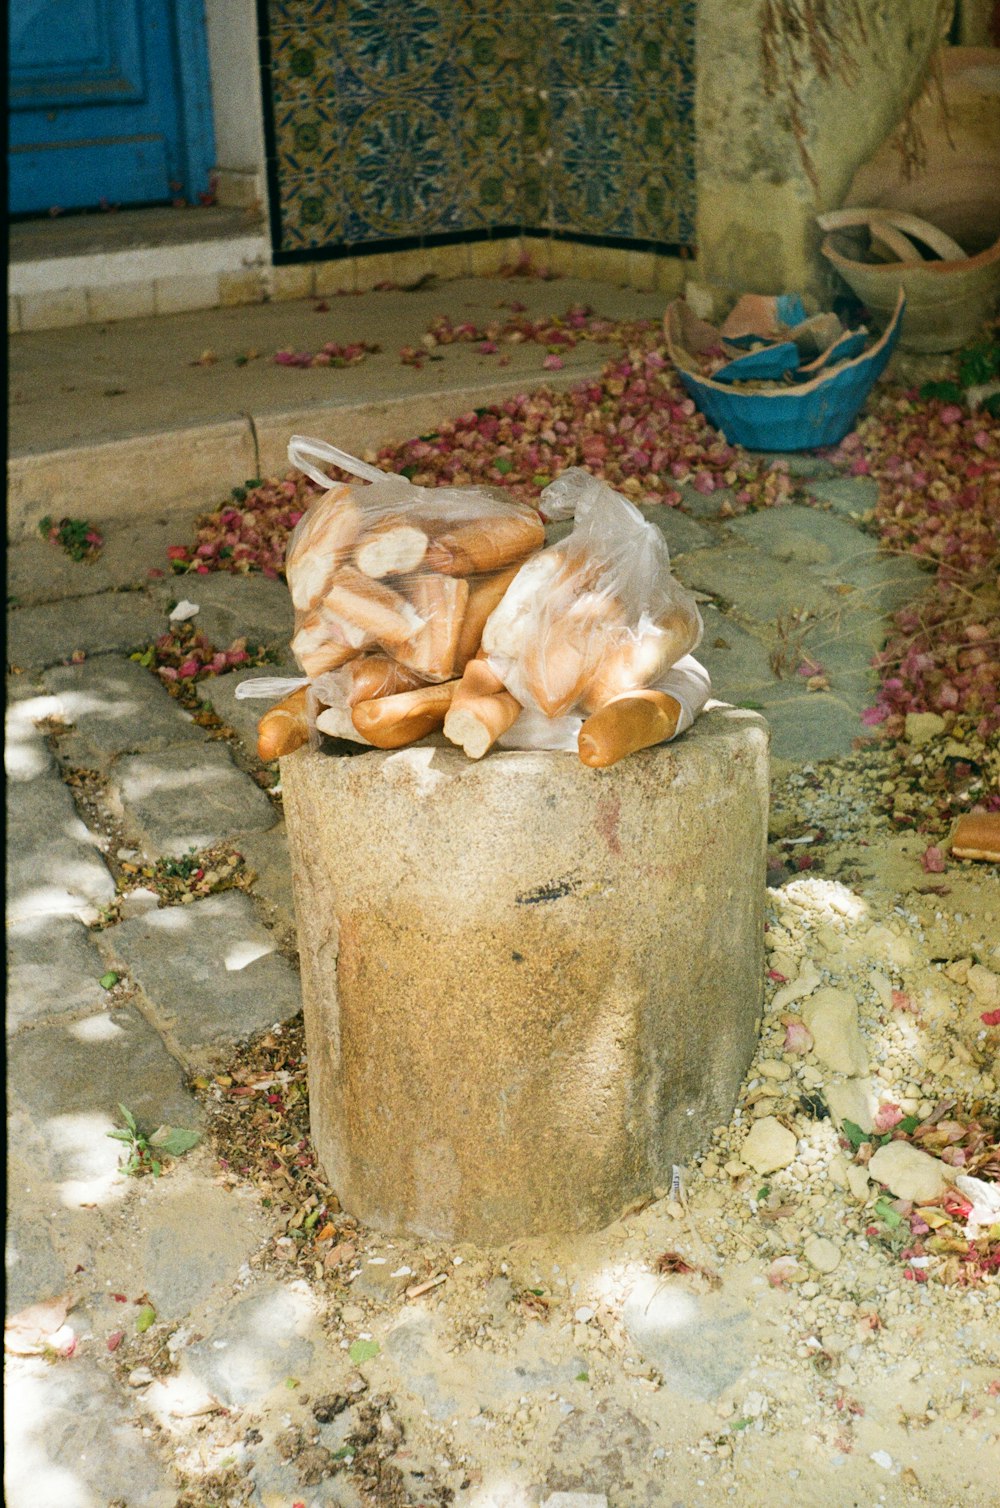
552, 363
932, 860
798, 1038
886, 1116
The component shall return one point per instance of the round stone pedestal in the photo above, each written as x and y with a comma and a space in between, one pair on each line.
529, 987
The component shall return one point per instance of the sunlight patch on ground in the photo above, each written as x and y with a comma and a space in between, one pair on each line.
243, 953
90, 1155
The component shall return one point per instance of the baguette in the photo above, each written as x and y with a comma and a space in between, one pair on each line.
483, 598
321, 643
440, 601
391, 722
390, 547
977, 836
335, 722
560, 662
633, 659
637, 720
485, 544
328, 533
283, 727
506, 628
372, 676
481, 710
382, 614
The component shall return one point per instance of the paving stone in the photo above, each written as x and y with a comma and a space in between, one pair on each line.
53, 866
34, 1269
187, 797
233, 606
804, 535
41, 572
258, 1343
757, 586
243, 714
277, 1484
68, 1079
210, 969
606, 1446
26, 752
737, 661
884, 583
800, 463
267, 855
71, 1443
846, 494
700, 1346
195, 1237
38, 637
706, 505
53, 968
681, 533
808, 726
115, 706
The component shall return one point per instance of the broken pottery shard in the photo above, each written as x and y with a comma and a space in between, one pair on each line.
910, 1173
769, 1146
832, 1017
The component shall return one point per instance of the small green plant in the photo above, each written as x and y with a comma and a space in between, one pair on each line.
145, 1153
78, 538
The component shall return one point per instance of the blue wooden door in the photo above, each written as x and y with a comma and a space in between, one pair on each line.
109, 103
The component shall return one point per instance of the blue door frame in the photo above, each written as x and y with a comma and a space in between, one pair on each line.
110, 102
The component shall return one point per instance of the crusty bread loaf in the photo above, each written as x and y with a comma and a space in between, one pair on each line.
372, 676
390, 547
484, 595
634, 658
322, 642
440, 602
391, 722
560, 662
481, 710
283, 727
325, 538
637, 720
380, 613
506, 628
977, 836
484, 544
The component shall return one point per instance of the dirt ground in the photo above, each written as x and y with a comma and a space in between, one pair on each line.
756, 1336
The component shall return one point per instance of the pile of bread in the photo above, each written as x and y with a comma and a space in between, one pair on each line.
438, 610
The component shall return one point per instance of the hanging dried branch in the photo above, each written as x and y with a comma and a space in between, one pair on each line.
799, 38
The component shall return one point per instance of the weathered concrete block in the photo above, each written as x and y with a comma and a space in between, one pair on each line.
529, 987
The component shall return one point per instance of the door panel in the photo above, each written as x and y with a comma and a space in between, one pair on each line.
96, 103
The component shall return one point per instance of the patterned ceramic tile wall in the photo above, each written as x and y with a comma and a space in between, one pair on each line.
401, 121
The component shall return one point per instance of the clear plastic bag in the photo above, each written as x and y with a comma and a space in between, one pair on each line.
383, 567
595, 616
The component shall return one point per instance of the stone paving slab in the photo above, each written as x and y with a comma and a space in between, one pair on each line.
71, 1443
41, 572
53, 866
34, 1270
53, 968
809, 726
187, 797
267, 855
755, 585
195, 1237
67, 1080
700, 1346
885, 583
804, 535
116, 707
209, 969
851, 495
49, 634
26, 752
682, 534
257, 1345
233, 606
737, 661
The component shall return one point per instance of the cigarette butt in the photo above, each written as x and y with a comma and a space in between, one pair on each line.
417, 1290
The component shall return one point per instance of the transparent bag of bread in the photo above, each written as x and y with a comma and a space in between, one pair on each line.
382, 565
595, 615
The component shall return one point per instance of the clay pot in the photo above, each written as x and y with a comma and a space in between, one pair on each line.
946, 302
956, 189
